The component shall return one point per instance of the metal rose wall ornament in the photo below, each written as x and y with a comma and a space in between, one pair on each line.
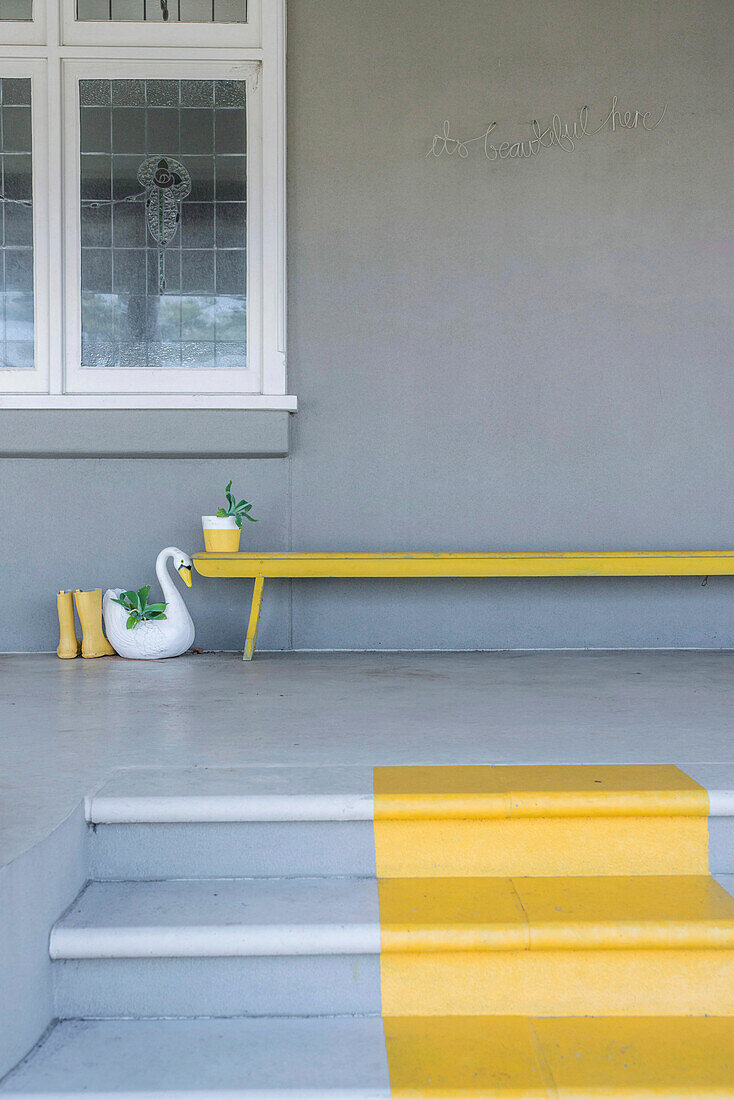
167, 184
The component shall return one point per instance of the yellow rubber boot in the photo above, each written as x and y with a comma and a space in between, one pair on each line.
69, 645
89, 609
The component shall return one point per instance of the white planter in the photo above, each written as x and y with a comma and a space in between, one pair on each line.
155, 639
221, 535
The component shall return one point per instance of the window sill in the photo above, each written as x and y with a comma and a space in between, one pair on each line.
115, 401
136, 432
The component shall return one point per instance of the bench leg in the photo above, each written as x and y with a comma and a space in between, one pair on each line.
257, 599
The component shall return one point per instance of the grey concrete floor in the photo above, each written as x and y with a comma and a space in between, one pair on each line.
65, 725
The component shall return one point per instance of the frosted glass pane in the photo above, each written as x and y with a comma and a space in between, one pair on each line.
163, 223
128, 9
195, 11
155, 11
21, 10
228, 11
93, 10
16, 226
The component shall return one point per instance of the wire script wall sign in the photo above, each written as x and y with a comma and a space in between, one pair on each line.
556, 135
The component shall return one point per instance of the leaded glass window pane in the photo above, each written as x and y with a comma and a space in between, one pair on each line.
164, 223
159, 11
16, 211
16, 10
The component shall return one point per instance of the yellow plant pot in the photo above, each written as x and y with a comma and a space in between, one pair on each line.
221, 535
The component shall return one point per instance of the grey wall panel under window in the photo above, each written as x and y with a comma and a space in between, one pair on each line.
16, 225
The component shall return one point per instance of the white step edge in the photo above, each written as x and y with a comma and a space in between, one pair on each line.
285, 794
219, 795
210, 1094
215, 918
721, 803
212, 942
221, 809
718, 779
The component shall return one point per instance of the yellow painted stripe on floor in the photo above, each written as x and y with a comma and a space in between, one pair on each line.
507, 1058
447, 822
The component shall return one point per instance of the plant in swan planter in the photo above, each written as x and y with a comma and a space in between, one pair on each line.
149, 632
138, 609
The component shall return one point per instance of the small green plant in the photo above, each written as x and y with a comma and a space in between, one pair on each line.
136, 603
237, 510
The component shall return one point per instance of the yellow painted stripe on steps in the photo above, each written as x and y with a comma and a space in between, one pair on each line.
609, 790
573, 946
545, 914
448, 822
448, 1058
584, 982
542, 846
645, 1058
456, 914
547, 892
507, 1058
665, 911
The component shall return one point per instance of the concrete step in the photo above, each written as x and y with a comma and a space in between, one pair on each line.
223, 947
718, 780
540, 820
282, 1059
208, 795
526, 946
209, 918
571, 1058
184, 822
153, 823
601, 946
231, 849
487, 1058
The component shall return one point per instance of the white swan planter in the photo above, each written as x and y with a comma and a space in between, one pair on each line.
152, 641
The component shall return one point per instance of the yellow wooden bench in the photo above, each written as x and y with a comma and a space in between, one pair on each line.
296, 565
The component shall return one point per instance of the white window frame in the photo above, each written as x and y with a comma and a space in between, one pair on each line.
26, 32
248, 379
37, 379
162, 35
58, 382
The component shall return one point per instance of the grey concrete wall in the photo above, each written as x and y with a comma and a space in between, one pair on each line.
52, 873
531, 354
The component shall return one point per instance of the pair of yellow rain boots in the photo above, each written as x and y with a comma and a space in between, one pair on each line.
89, 610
